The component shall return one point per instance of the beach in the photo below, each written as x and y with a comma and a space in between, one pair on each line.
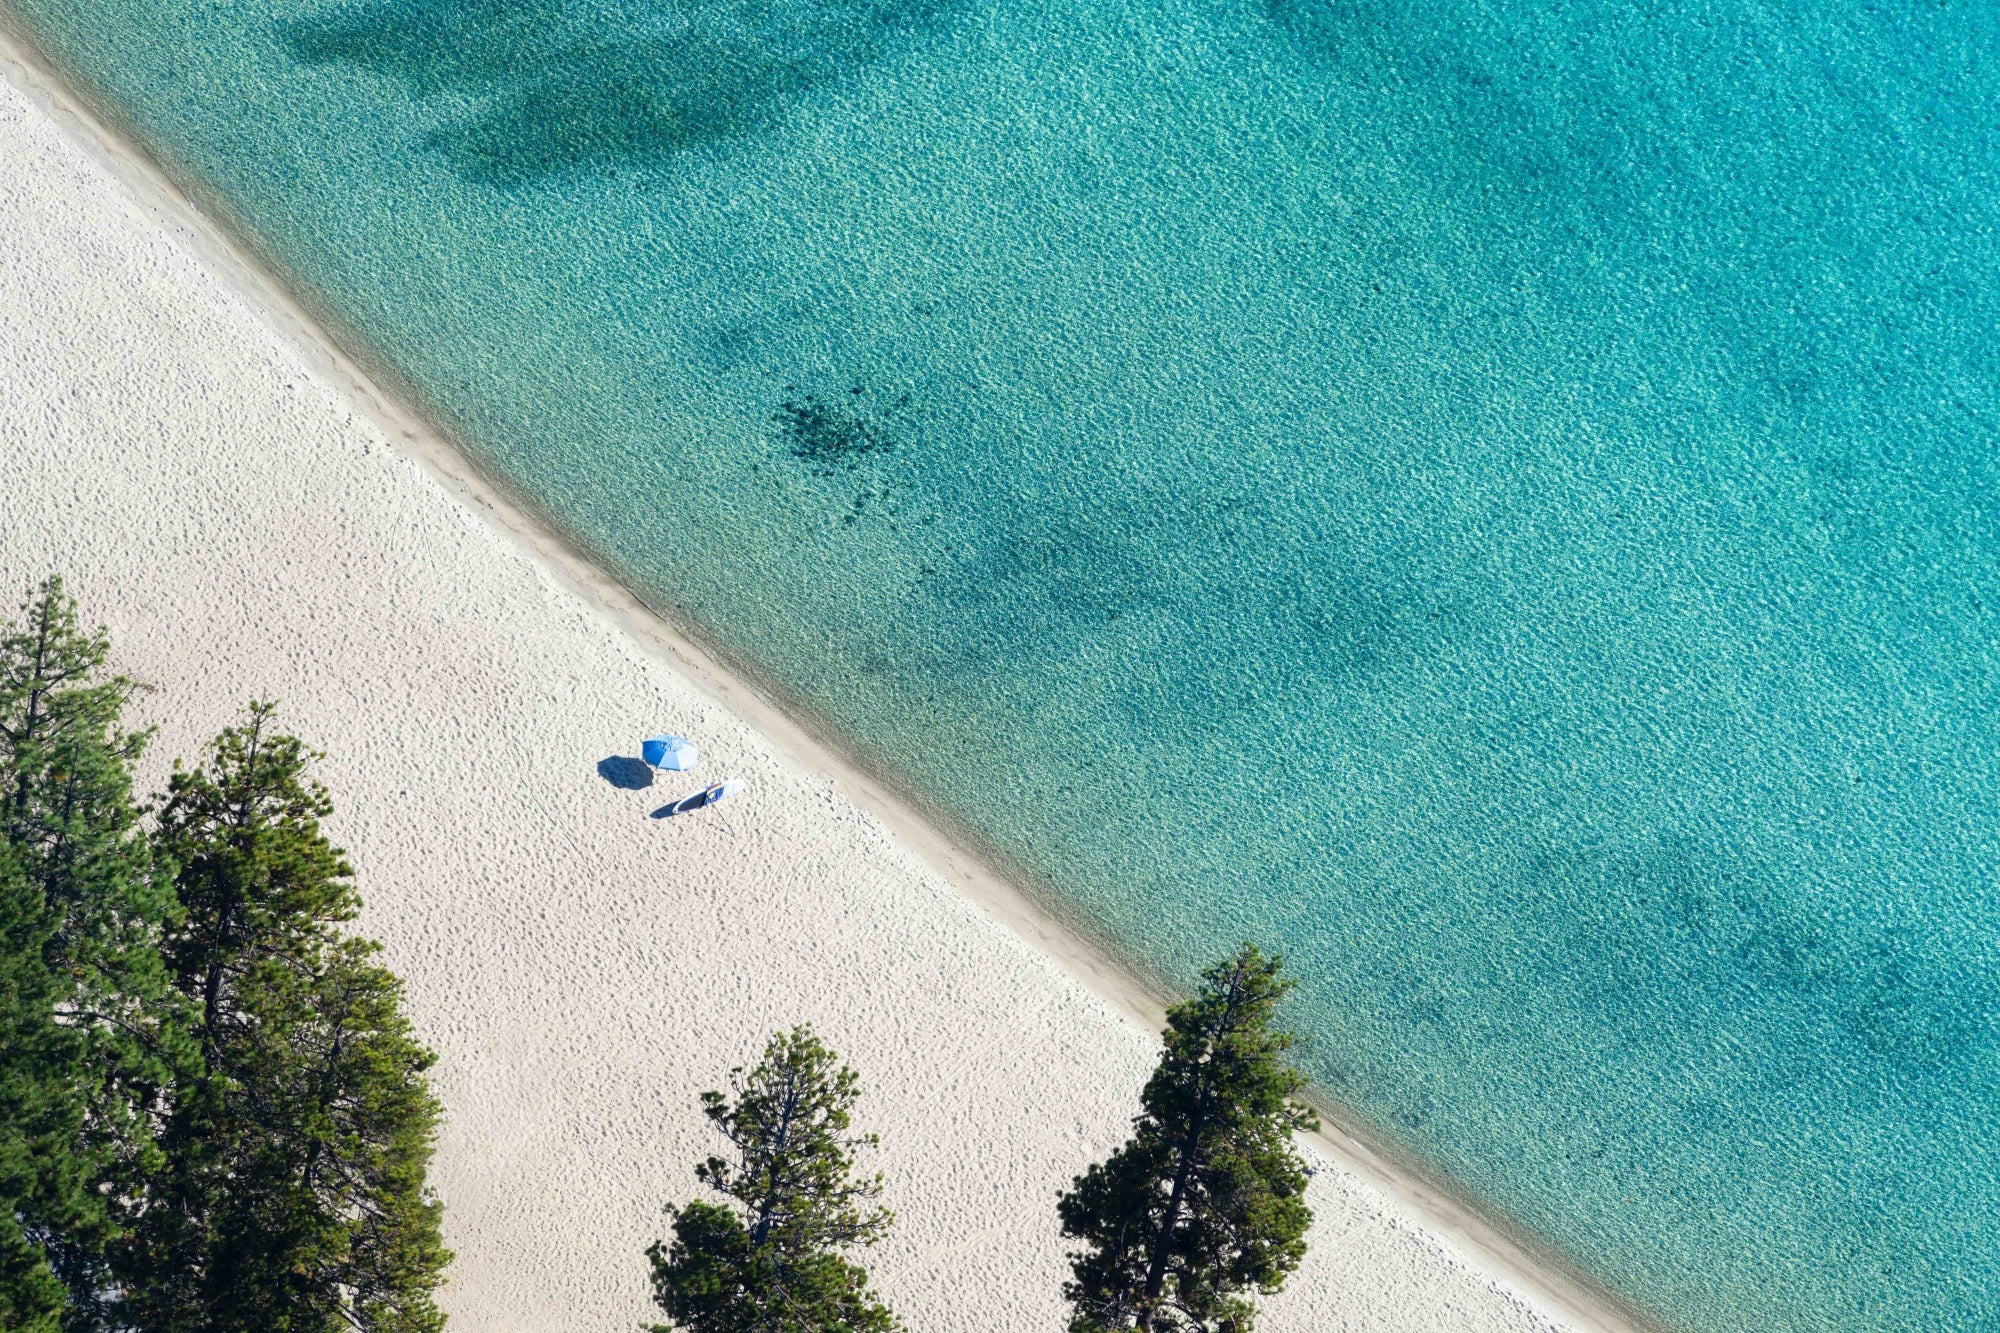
251, 519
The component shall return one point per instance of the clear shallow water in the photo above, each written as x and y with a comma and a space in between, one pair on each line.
1496, 500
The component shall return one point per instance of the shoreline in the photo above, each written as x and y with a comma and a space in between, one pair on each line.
981, 874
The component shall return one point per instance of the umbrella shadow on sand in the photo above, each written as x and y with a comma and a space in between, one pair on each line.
625, 772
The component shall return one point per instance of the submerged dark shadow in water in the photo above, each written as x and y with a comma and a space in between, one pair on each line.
1696, 918
553, 90
829, 435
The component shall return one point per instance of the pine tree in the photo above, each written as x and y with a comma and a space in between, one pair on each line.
40, 1119
773, 1263
293, 1196
87, 1022
1204, 1203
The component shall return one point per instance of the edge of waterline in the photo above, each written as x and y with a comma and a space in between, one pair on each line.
992, 881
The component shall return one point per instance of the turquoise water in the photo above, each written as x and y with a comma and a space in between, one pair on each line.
1497, 500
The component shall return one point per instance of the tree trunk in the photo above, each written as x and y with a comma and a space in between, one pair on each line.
1156, 1271
761, 1229
211, 1002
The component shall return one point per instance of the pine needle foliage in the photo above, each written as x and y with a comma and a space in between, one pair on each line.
293, 1197
40, 1119
772, 1262
88, 1028
1204, 1204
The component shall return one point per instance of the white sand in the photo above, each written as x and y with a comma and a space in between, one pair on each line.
220, 496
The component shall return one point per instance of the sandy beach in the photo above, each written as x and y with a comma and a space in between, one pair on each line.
251, 519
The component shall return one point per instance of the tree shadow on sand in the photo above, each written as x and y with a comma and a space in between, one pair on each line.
554, 87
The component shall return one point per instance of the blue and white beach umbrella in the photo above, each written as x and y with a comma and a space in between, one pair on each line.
672, 752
